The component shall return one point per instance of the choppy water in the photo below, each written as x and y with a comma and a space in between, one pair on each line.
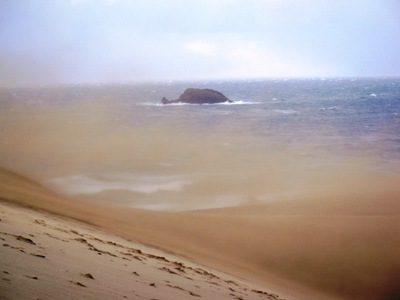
118, 144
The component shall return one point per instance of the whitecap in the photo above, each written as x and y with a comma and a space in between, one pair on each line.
331, 108
287, 111
240, 102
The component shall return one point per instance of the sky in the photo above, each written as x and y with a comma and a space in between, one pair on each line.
122, 41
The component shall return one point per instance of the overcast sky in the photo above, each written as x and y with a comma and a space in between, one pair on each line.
97, 41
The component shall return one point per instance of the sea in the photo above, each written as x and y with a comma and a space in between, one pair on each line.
280, 139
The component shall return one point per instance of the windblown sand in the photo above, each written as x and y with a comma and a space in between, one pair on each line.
299, 254
332, 233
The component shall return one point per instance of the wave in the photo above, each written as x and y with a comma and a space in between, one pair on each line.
97, 183
332, 108
287, 111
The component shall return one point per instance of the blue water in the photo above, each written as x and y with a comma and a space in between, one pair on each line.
341, 114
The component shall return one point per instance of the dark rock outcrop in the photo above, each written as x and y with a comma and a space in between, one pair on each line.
198, 96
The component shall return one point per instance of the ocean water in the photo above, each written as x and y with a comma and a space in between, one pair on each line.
116, 144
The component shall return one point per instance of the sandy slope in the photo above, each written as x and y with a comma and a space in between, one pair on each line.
47, 257
348, 248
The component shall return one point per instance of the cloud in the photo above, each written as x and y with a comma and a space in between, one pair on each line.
96, 2
201, 48
123, 40
251, 58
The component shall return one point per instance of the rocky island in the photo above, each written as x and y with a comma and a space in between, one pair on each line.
198, 96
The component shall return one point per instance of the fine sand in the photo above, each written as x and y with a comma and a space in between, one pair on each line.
302, 250
47, 257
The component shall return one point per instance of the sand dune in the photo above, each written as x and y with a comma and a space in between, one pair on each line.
47, 257
299, 250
